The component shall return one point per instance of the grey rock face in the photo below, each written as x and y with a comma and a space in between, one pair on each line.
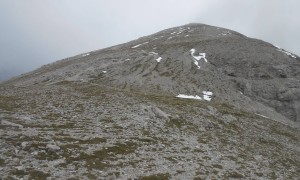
235, 64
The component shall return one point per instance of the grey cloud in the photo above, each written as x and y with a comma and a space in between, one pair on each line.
37, 32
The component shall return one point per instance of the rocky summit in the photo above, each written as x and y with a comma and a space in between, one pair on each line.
189, 102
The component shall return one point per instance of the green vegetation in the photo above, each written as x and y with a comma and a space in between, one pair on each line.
217, 166
161, 176
95, 140
285, 132
2, 162
234, 174
176, 123
9, 103
97, 159
35, 174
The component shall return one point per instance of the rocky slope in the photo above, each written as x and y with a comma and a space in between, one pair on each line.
113, 113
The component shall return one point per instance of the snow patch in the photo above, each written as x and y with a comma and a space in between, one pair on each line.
225, 33
207, 96
285, 52
104, 72
139, 45
197, 64
262, 116
158, 59
277, 47
127, 59
154, 53
87, 54
189, 96
198, 58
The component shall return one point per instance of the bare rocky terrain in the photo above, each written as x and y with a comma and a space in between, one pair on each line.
113, 113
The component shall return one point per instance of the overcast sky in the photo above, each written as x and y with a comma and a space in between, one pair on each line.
37, 32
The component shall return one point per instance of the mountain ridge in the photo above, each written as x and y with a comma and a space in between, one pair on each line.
239, 58
189, 102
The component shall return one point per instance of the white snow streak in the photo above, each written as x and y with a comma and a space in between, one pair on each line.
154, 53
158, 59
197, 64
198, 58
285, 52
207, 96
104, 72
139, 45
277, 47
189, 96
225, 33
262, 116
85, 54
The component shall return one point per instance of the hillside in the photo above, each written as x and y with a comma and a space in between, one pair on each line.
188, 102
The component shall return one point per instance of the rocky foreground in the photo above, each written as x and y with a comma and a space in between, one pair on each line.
86, 131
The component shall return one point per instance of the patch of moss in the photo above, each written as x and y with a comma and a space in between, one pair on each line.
107, 120
160, 176
9, 103
260, 174
96, 160
146, 140
67, 125
49, 156
63, 83
268, 142
234, 174
225, 108
217, 166
35, 174
96, 140
176, 122
19, 173
171, 159
117, 174
284, 132
52, 116
123, 118
2, 162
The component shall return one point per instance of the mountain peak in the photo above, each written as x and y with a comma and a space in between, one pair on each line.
190, 59
194, 101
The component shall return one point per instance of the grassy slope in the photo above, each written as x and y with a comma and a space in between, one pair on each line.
109, 133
